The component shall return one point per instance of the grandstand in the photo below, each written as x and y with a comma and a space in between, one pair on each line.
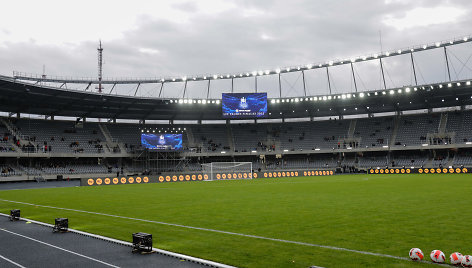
50, 130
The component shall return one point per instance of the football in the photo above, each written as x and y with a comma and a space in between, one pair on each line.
466, 261
416, 254
455, 258
437, 256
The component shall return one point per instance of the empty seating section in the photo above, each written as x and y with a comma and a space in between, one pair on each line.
62, 136
461, 124
128, 134
374, 131
211, 138
311, 135
377, 161
249, 137
413, 129
410, 160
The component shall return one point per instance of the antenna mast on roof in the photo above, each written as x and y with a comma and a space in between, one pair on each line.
100, 66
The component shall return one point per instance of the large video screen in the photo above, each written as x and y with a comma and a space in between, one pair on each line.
161, 141
244, 105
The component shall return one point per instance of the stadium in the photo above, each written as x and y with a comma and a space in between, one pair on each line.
348, 162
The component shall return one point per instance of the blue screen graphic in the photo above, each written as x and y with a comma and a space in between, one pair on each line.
161, 141
244, 105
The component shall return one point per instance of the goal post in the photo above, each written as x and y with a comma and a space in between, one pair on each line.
227, 170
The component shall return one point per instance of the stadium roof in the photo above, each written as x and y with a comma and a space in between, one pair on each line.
21, 97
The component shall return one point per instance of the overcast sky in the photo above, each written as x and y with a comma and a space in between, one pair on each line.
175, 38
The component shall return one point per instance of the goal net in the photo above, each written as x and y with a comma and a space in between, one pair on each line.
228, 170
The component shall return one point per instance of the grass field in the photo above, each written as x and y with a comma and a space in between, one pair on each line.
386, 214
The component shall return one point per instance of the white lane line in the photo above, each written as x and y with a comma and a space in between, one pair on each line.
219, 231
12, 262
63, 249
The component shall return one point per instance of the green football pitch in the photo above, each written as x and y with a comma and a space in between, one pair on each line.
274, 222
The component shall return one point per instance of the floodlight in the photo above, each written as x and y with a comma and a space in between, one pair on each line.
324, 98
399, 51
451, 42
399, 91
353, 60
458, 84
185, 101
407, 89
199, 101
61, 224
309, 66
376, 55
260, 72
465, 39
315, 98
331, 63
288, 69
364, 58
296, 100
272, 101
283, 100
14, 215
184, 78
204, 101
254, 73
253, 151
240, 75
162, 80
298, 68
468, 83
329, 97
173, 79
267, 72
171, 101
142, 242
215, 76
416, 89
387, 53
278, 101
317, 149
361, 95
320, 65
227, 76
376, 93
343, 96
277, 70
194, 78
424, 46
349, 96
449, 85
438, 44
223, 152
217, 101
285, 150
247, 74
212, 101
384, 93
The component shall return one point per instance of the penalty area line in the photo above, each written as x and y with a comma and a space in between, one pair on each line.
220, 231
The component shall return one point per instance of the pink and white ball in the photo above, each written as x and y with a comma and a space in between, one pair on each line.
416, 254
466, 261
437, 256
455, 258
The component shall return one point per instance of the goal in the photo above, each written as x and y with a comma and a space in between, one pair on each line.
228, 170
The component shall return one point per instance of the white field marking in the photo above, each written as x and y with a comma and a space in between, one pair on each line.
12, 262
63, 249
129, 244
224, 232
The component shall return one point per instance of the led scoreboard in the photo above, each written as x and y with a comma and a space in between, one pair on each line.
161, 141
244, 105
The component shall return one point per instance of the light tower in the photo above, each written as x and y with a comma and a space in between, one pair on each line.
100, 66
